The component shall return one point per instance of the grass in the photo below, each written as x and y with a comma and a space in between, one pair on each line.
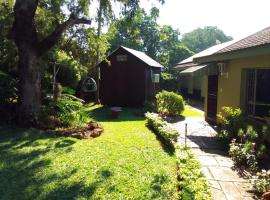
125, 162
191, 112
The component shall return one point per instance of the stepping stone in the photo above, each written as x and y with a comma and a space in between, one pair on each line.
225, 174
224, 161
231, 192
208, 161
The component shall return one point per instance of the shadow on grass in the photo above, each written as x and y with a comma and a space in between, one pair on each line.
103, 114
157, 187
26, 170
167, 147
80, 189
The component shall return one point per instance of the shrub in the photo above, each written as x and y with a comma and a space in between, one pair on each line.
193, 184
68, 111
244, 155
169, 103
168, 82
68, 90
246, 148
149, 106
233, 120
8, 89
161, 128
261, 182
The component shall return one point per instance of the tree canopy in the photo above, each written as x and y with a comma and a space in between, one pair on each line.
202, 38
141, 31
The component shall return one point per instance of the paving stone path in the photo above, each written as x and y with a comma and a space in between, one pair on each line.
216, 165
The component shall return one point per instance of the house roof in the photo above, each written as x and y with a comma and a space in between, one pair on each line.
260, 38
143, 57
255, 44
211, 50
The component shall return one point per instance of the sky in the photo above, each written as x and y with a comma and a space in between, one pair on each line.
237, 18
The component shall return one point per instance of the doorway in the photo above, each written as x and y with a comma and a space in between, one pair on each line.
212, 98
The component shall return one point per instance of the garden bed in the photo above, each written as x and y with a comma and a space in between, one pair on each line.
93, 130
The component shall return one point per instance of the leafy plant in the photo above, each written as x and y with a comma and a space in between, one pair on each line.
8, 89
261, 182
193, 185
168, 81
233, 120
169, 103
161, 128
247, 148
69, 111
149, 106
68, 90
244, 155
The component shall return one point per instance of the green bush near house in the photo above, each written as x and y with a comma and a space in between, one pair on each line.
261, 182
193, 185
161, 128
233, 120
169, 103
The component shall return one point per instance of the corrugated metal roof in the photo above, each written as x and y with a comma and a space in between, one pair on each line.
260, 38
192, 69
142, 56
206, 52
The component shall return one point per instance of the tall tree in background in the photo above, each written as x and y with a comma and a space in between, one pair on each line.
141, 31
31, 48
202, 38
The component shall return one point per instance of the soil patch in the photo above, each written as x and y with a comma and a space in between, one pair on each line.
91, 131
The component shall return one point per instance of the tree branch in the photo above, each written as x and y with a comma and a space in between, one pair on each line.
53, 38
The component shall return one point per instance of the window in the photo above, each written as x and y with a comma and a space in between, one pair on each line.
121, 58
258, 92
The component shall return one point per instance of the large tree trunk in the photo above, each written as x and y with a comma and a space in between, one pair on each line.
24, 34
29, 74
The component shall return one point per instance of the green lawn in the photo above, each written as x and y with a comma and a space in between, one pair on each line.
126, 162
191, 112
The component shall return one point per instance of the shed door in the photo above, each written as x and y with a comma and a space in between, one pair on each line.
212, 98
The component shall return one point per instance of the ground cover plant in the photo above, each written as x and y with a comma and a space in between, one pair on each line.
193, 185
163, 129
125, 162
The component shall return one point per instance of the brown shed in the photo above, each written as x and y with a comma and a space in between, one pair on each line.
129, 78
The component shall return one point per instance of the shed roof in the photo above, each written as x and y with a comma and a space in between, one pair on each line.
143, 57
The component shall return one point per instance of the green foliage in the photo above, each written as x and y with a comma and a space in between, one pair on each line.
68, 90
8, 89
69, 111
149, 106
243, 155
139, 30
247, 151
261, 182
233, 120
193, 184
169, 103
202, 38
161, 128
168, 82
8, 53
70, 70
